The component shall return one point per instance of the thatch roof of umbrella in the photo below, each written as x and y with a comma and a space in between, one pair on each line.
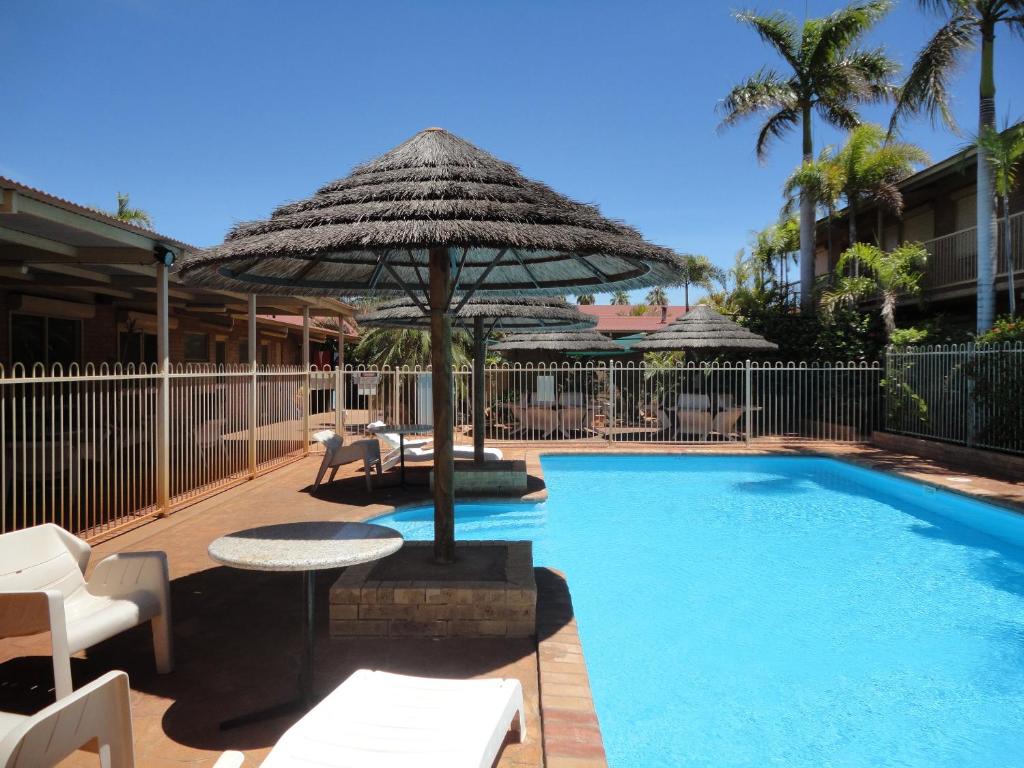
702, 328
558, 341
371, 232
507, 313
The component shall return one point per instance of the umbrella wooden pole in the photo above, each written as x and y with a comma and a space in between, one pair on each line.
478, 390
441, 378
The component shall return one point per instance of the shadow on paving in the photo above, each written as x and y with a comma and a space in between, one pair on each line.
351, 490
237, 636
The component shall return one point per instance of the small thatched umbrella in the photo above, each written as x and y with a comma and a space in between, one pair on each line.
434, 217
559, 341
702, 329
484, 315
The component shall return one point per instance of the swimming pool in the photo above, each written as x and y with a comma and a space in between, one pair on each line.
780, 611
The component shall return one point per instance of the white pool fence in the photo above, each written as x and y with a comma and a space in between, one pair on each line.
95, 449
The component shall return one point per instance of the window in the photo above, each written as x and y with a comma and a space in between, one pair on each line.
890, 237
966, 215
136, 347
919, 226
197, 347
47, 340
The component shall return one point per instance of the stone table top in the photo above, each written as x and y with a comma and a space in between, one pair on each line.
310, 546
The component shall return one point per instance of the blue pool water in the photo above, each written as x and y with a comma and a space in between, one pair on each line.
770, 611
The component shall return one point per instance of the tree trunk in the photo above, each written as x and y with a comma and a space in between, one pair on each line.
889, 313
1008, 248
686, 295
853, 232
478, 390
807, 205
831, 247
441, 378
986, 188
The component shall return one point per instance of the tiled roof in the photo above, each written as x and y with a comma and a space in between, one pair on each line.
296, 320
617, 318
85, 210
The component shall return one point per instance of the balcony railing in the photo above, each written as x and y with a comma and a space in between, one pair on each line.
953, 258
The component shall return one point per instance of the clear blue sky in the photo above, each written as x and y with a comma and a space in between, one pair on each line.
209, 113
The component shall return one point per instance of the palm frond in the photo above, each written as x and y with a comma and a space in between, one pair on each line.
926, 89
838, 114
872, 72
842, 28
778, 30
1004, 152
944, 6
656, 297
775, 127
762, 91
846, 293
129, 215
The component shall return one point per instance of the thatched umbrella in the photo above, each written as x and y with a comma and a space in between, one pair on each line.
703, 329
484, 315
558, 341
434, 217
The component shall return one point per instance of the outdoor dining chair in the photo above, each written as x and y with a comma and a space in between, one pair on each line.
43, 588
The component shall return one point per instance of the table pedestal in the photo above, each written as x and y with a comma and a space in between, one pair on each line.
306, 696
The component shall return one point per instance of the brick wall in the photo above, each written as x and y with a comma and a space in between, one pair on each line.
364, 606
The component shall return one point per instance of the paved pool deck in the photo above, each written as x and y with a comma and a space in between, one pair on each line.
237, 632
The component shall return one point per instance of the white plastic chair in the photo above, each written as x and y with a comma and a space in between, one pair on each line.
43, 588
100, 710
336, 454
383, 720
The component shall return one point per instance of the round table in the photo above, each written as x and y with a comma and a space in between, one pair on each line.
306, 547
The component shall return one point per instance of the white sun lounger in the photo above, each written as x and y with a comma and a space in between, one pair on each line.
336, 454
383, 720
418, 450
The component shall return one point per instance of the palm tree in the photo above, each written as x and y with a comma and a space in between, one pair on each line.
129, 215
656, 297
698, 271
829, 76
771, 247
926, 90
889, 273
620, 298
870, 165
869, 168
820, 178
585, 299
397, 347
1004, 151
